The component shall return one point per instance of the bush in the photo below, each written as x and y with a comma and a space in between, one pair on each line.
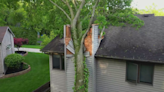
25, 66
14, 60
18, 42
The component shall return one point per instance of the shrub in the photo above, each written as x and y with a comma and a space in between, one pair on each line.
25, 66
18, 42
25, 41
14, 60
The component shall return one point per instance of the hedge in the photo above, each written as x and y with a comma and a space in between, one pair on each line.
14, 60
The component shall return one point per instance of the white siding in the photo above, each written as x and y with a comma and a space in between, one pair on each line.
8, 39
1, 72
70, 73
89, 62
111, 78
95, 38
57, 78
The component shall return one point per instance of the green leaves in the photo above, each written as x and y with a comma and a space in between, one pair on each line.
47, 39
101, 21
14, 60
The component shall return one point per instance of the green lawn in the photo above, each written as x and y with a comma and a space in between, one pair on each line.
30, 81
32, 46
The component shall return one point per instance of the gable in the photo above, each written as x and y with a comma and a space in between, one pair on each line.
3, 31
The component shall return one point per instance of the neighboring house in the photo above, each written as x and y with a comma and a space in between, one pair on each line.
6, 46
126, 60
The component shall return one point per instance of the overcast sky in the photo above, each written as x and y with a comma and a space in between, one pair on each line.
141, 4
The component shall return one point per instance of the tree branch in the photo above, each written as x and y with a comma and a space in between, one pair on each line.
74, 2
91, 21
70, 9
78, 12
101, 34
74, 23
61, 9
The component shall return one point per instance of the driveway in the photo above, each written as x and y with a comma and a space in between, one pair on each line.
29, 50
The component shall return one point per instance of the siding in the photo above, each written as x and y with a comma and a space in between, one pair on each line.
1, 72
95, 38
89, 62
70, 73
111, 75
8, 39
57, 78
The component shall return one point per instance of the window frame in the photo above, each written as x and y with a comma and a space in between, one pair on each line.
62, 68
138, 75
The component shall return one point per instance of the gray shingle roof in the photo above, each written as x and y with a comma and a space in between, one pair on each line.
56, 46
145, 44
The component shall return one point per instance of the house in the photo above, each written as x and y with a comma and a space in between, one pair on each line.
126, 60
6, 46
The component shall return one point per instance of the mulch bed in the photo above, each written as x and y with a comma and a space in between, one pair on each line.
11, 70
23, 53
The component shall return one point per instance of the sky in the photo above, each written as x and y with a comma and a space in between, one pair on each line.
141, 4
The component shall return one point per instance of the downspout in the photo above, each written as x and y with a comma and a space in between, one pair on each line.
65, 49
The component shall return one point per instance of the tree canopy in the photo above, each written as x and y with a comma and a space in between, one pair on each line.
31, 16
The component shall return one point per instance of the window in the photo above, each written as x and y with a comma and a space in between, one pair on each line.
139, 72
8, 47
58, 62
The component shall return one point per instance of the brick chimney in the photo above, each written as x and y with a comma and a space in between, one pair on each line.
91, 43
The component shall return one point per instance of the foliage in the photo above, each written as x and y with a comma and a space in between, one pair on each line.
152, 10
14, 60
25, 66
25, 33
38, 76
117, 13
47, 39
27, 17
18, 42
86, 78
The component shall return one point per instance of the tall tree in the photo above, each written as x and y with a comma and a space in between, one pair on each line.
102, 12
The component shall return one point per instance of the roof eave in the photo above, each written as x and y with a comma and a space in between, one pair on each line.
48, 51
148, 61
10, 31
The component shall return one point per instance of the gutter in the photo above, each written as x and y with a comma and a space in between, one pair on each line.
148, 61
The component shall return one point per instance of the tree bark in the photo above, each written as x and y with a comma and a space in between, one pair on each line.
79, 58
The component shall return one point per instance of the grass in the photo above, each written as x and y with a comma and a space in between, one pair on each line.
40, 39
30, 81
32, 46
